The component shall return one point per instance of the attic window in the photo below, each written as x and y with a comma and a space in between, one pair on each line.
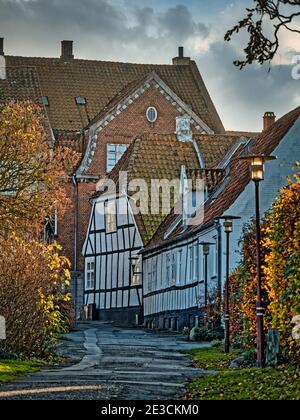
45, 101
151, 114
80, 100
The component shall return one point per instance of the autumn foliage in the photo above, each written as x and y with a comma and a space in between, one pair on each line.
33, 278
33, 172
281, 273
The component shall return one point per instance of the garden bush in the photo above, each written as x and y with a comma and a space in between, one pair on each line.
33, 278
281, 274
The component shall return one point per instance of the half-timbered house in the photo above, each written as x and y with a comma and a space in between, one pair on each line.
97, 108
113, 253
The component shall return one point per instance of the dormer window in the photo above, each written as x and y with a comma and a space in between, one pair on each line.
151, 114
80, 100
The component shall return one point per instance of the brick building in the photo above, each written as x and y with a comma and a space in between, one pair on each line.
97, 108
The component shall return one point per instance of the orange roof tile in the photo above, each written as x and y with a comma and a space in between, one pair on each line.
238, 178
99, 82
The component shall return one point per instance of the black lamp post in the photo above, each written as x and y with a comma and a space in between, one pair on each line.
206, 250
257, 166
228, 229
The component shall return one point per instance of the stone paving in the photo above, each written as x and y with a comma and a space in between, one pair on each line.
109, 363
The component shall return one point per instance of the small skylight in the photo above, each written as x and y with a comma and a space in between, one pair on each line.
45, 100
80, 100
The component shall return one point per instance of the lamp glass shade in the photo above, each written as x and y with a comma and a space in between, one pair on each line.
206, 249
228, 225
258, 168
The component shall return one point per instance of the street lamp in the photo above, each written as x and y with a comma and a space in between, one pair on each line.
206, 249
228, 229
257, 167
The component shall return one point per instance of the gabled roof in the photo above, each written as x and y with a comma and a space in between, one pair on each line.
99, 82
234, 184
161, 156
126, 98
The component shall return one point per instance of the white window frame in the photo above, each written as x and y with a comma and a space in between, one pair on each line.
89, 274
179, 266
196, 257
168, 268
114, 155
137, 272
156, 114
191, 262
173, 268
154, 273
149, 275
110, 217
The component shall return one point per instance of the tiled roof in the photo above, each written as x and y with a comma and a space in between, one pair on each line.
160, 156
99, 82
236, 182
214, 147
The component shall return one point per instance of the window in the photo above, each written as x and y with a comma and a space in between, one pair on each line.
149, 275
90, 276
45, 101
196, 263
114, 153
154, 273
168, 269
179, 265
137, 271
80, 100
174, 269
151, 114
110, 217
191, 259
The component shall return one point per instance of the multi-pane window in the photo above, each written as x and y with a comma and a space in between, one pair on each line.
179, 265
90, 275
137, 272
110, 217
196, 263
154, 273
114, 154
168, 269
191, 263
149, 275
173, 269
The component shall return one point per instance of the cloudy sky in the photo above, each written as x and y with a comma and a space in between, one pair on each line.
150, 31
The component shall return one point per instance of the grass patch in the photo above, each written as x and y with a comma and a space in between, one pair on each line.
212, 358
11, 369
248, 384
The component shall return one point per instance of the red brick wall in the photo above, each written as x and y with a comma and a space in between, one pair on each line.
66, 222
123, 129
132, 122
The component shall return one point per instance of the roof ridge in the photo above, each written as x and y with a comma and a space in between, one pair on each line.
74, 60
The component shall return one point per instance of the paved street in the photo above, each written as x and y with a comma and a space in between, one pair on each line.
105, 362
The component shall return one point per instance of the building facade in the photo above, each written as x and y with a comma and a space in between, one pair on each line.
174, 263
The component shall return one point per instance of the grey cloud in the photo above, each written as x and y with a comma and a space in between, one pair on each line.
110, 29
243, 96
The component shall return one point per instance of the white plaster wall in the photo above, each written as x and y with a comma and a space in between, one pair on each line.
288, 152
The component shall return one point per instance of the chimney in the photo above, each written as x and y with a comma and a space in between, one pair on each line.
181, 60
183, 129
1, 46
67, 50
269, 119
2, 61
